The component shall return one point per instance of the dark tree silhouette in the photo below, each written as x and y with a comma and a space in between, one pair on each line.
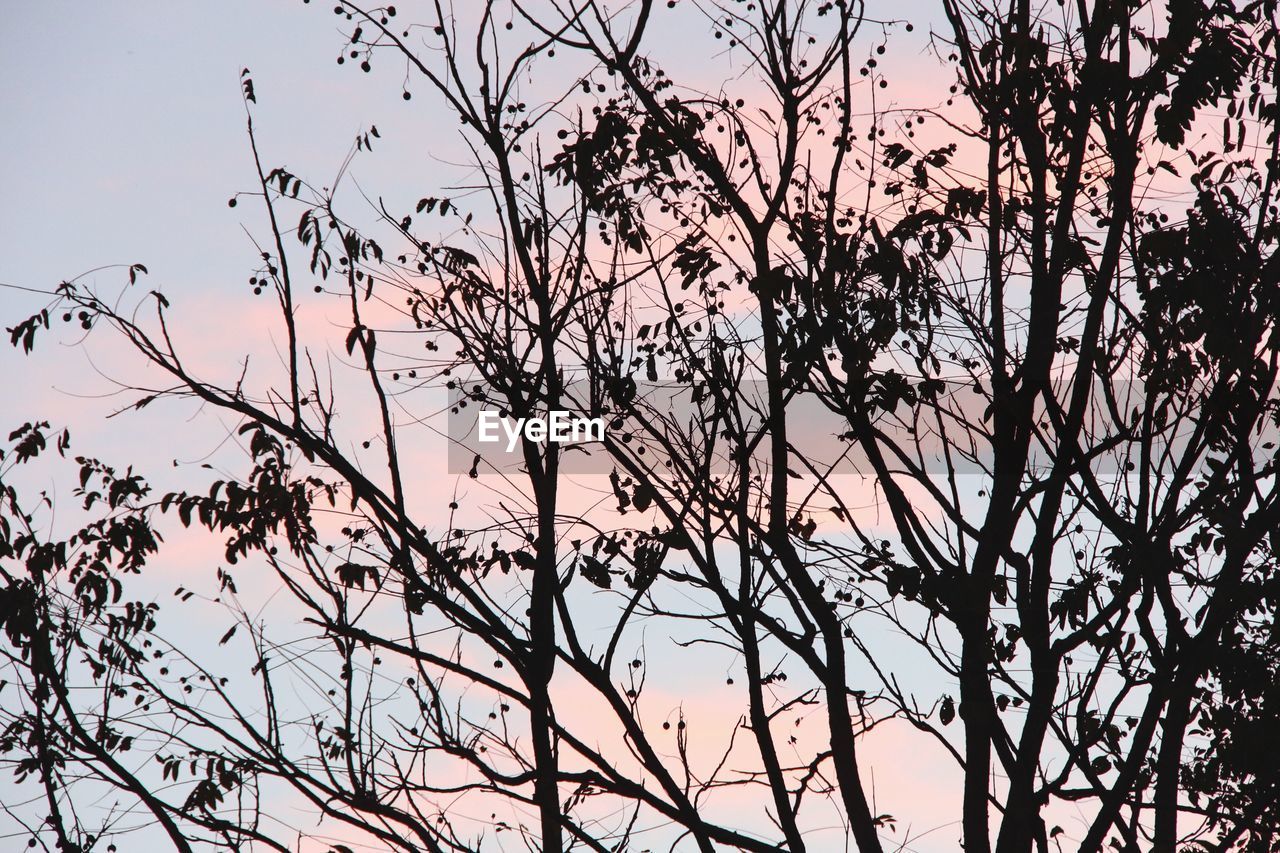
1038, 306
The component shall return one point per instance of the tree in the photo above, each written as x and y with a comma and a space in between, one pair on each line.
1052, 355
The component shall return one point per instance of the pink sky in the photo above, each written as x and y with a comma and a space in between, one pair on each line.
125, 142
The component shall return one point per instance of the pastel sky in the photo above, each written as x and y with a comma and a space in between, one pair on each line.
123, 140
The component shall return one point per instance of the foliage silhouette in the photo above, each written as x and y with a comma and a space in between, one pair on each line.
1041, 306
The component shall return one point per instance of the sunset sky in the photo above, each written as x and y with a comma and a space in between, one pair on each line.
124, 140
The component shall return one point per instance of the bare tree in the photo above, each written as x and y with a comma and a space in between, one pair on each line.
1047, 354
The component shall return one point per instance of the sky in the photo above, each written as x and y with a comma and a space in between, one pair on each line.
124, 139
